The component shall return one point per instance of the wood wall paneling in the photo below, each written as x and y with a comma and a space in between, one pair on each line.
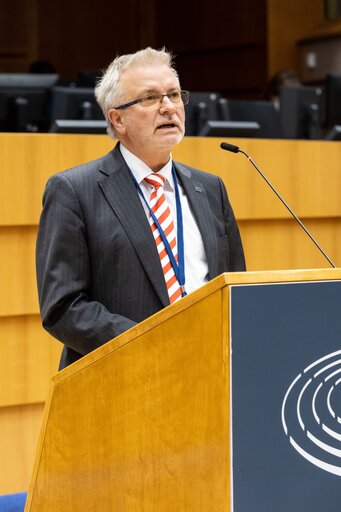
200, 26
288, 22
28, 358
18, 34
19, 431
220, 47
27, 164
88, 35
77, 35
17, 271
306, 173
236, 71
278, 244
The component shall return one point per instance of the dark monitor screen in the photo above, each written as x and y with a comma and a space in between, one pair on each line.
24, 101
202, 107
333, 100
24, 110
74, 103
3, 112
78, 126
301, 110
261, 112
229, 129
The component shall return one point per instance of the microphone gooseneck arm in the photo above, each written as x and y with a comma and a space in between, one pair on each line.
236, 149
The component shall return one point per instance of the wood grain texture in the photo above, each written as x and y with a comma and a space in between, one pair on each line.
299, 19
19, 430
143, 428
282, 244
28, 358
305, 172
17, 270
18, 35
29, 160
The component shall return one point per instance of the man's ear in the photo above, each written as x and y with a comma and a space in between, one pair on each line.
115, 117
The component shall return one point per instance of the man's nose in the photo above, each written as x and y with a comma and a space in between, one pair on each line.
167, 105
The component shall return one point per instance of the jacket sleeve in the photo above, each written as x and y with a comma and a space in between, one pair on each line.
236, 251
63, 274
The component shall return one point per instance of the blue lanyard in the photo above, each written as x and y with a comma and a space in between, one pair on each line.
179, 268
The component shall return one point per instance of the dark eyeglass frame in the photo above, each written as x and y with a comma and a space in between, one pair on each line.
184, 97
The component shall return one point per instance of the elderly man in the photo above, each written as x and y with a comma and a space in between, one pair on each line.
126, 235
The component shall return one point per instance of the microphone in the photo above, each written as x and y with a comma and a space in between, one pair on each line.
236, 149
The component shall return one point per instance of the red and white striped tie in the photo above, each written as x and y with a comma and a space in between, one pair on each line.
161, 210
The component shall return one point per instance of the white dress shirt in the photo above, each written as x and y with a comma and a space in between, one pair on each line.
196, 268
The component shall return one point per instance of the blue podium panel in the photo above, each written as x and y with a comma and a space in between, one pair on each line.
286, 397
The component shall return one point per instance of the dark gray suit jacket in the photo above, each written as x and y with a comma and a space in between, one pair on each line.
98, 269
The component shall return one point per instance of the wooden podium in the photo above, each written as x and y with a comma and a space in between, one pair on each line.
143, 422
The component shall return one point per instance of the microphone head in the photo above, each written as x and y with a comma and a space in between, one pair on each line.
229, 147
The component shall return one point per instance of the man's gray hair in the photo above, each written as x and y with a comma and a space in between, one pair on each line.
108, 91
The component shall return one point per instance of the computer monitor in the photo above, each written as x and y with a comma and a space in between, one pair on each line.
77, 103
229, 129
301, 111
27, 80
24, 101
261, 112
202, 107
78, 126
24, 111
334, 133
333, 101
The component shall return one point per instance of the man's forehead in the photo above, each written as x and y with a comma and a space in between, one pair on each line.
150, 77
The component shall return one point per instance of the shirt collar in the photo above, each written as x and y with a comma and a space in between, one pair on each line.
141, 170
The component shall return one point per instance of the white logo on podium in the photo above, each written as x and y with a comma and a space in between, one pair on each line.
311, 413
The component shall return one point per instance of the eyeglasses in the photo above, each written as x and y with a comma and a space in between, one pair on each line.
152, 100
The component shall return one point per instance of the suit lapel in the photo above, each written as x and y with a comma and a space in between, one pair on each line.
121, 193
197, 198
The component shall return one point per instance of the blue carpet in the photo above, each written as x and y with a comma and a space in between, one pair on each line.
13, 502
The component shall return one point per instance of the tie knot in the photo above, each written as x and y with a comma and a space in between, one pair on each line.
156, 180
